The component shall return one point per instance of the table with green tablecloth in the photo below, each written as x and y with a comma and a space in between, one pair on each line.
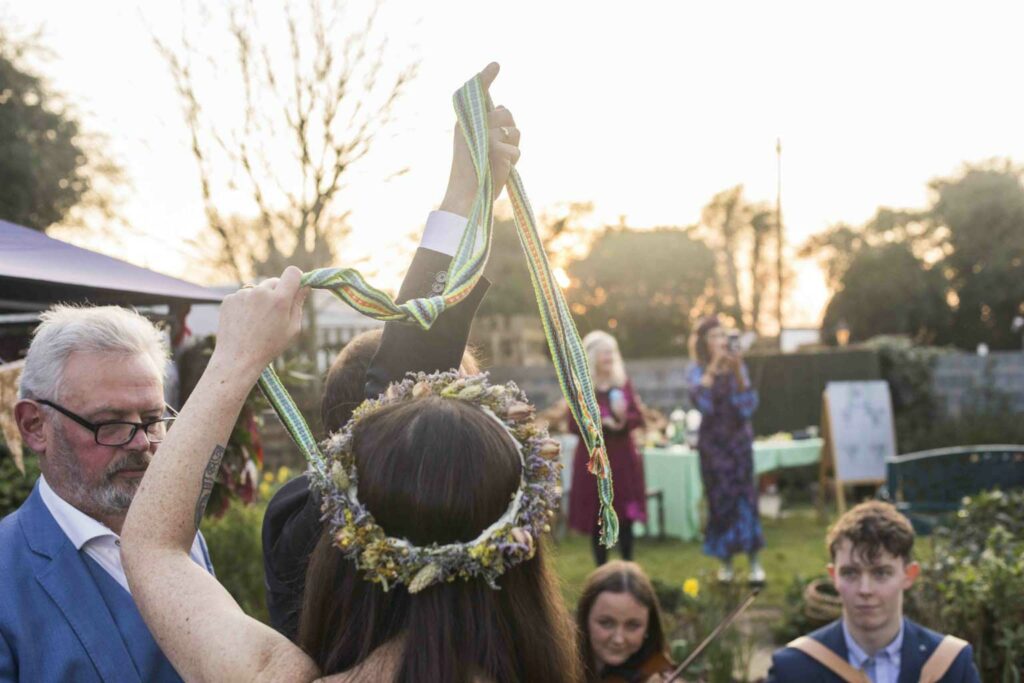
676, 471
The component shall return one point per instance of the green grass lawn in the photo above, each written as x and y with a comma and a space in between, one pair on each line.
794, 545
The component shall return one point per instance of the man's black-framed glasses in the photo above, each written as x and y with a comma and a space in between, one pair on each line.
120, 432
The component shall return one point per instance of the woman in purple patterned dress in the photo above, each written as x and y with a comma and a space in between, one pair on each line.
620, 415
720, 389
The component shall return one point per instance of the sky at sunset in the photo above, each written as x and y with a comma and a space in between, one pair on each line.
646, 109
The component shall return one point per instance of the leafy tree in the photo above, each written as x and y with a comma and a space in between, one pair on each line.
724, 217
887, 290
967, 246
564, 238
837, 246
511, 292
739, 233
762, 226
48, 166
644, 287
982, 213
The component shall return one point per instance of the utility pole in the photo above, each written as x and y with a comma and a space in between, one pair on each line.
778, 233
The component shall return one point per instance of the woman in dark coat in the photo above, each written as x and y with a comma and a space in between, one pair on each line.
620, 415
720, 389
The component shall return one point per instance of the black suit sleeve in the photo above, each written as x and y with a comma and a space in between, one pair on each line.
407, 347
291, 529
291, 525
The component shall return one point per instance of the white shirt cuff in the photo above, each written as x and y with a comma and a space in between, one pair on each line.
443, 232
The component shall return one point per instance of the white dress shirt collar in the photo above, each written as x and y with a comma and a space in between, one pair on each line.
96, 539
79, 527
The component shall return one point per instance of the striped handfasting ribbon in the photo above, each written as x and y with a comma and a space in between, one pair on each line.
570, 359
471, 106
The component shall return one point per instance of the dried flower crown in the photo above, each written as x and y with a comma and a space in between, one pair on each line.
508, 541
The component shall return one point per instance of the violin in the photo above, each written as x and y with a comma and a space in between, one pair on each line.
659, 667
657, 663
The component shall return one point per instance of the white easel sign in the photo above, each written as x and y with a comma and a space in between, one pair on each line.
861, 429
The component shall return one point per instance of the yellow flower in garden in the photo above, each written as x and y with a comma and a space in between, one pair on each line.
268, 477
283, 474
265, 489
691, 587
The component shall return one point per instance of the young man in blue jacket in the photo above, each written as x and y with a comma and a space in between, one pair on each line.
872, 564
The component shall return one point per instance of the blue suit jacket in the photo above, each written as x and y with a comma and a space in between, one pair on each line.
789, 664
55, 623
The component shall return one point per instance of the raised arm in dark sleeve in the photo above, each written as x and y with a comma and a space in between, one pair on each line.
408, 348
291, 525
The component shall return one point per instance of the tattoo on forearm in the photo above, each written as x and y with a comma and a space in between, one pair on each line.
209, 475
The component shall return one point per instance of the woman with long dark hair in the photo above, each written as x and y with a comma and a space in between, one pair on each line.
292, 524
720, 389
436, 471
619, 623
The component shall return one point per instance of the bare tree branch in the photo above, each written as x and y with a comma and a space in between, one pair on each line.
303, 118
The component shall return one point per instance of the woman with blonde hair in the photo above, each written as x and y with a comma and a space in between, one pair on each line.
620, 415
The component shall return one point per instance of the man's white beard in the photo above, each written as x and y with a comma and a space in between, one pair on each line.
111, 496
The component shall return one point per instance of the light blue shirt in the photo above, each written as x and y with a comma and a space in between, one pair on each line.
884, 666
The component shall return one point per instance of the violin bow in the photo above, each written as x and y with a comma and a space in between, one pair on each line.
722, 625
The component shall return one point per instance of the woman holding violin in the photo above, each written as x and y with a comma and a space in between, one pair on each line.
620, 632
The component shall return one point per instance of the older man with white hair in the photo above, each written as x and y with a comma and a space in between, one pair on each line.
91, 404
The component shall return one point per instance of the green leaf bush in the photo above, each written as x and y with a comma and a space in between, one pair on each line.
15, 487
692, 609
235, 544
920, 424
974, 586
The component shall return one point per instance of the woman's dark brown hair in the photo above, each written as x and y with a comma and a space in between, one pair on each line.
619, 577
703, 353
345, 386
434, 470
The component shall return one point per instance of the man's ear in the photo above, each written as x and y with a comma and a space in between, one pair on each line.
912, 571
832, 571
31, 421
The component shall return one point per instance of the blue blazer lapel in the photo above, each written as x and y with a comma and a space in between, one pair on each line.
911, 653
832, 637
69, 584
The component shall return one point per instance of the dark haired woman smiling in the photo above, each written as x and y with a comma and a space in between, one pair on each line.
619, 622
